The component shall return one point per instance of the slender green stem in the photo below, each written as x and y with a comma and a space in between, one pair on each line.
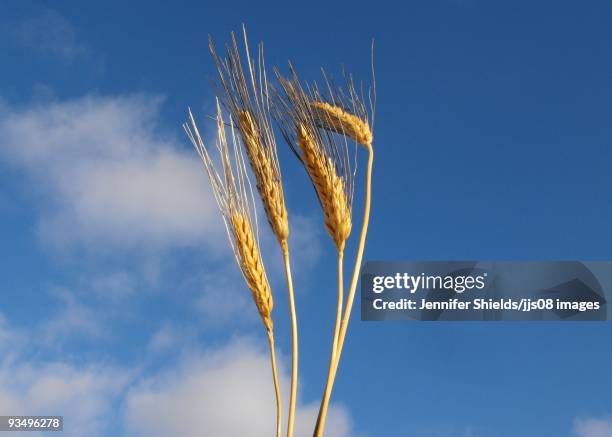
276, 384
294, 340
332, 360
350, 298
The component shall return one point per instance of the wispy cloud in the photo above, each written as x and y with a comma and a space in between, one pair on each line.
85, 395
72, 319
114, 285
225, 391
305, 241
108, 175
224, 299
593, 427
50, 32
221, 392
166, 338
82, 395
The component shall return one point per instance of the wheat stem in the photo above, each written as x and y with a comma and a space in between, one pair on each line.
276, 384
294, 339
359, 256
351, 293
332, 361
340, 301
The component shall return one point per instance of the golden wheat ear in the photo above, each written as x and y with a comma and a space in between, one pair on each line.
342, 109
324, 156
330, 187
339, 120
243, 91
233, 193
231, 188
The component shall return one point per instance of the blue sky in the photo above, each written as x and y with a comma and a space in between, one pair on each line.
122, 308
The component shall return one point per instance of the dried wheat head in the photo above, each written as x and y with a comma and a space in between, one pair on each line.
233, 193
341, 109
323, 154
245, 97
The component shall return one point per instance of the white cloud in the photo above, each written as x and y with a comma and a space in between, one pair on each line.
225, 299
305, 241
84, 395
105, 174
304, 245
10, 340
592, 427
222, 391
72, 319
49, 31
115, 285
225, 392
170, 338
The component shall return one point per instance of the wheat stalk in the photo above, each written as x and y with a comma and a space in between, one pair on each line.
342, 112
325, 158
246, 98
231, 188
317, 126
334, 117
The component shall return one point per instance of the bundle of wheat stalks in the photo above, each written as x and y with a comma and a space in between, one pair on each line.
320, 127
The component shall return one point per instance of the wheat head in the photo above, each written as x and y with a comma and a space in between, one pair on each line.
231, 188
341, 121
342, 109
329, 186
245, 97
267, 179
323, 155
252, 266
